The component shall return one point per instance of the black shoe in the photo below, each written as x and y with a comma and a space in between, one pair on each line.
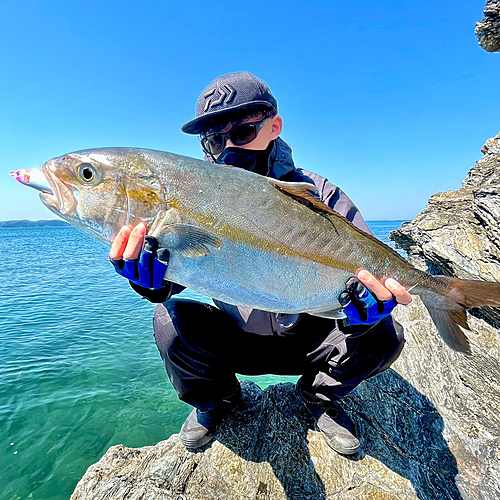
200, 426
335, 426
334, 423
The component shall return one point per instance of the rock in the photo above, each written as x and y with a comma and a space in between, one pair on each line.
464, 393
414, 445
488, 30
429, 427
458, 233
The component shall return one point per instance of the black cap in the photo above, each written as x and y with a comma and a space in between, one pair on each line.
229, 93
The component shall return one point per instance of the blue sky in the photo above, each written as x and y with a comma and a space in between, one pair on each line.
391, 100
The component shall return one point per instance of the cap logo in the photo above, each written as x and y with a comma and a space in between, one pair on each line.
226, 93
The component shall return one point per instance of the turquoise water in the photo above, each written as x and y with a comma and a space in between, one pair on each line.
79, 370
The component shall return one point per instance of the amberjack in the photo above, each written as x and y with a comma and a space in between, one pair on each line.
242, 238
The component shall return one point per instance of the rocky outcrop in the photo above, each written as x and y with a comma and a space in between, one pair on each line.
488, 30
458, 233
429, 426
267, 450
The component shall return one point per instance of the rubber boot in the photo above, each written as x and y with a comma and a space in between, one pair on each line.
200, 426
333, 422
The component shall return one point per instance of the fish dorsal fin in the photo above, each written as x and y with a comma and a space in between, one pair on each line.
304, 193
308, 195
187, 240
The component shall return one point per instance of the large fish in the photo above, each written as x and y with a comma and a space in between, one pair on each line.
240, 237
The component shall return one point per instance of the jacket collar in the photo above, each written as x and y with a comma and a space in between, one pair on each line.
280, 161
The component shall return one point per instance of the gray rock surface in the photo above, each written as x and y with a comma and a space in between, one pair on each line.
457, 234
429, 426
433, 438
488, 30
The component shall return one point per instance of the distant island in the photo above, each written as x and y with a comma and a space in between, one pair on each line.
32, 223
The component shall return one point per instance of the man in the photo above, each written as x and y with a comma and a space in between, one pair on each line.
204, 346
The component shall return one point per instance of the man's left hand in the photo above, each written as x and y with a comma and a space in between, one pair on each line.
366, 300
384, 291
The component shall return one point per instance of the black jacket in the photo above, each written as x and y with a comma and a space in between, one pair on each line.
280, 166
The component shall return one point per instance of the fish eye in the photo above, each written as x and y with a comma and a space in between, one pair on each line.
87, 172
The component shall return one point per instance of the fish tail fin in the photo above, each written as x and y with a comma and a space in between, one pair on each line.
449, 300
476, 293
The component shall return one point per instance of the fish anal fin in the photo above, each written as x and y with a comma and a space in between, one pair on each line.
328, 313
187, 240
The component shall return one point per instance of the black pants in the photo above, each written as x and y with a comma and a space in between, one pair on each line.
202, 349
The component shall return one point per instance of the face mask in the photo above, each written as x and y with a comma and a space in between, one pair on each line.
248, 159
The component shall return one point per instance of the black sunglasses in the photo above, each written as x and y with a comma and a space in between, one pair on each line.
213, 144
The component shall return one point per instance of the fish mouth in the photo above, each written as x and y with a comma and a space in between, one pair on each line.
62, 199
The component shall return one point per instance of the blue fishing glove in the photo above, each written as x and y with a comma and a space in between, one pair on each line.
146, 271
361, 307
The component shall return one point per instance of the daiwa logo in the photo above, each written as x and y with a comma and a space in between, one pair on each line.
226, 94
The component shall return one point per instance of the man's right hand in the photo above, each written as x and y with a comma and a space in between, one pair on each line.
133, 256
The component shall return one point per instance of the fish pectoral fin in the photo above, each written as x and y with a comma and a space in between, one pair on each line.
303, 192
187, 240
328, 313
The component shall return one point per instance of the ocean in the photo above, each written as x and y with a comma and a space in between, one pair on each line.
79, 368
